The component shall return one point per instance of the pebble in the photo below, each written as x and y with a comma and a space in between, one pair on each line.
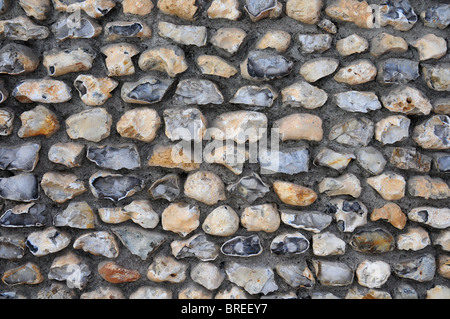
265, 65
392, 129
147, 90
115, 187
197, 91
26, 215
314, 43
421, 268
430, 46
103, 293
353, 132
428, 188
249, 187
71, 269
374, 241
436, 16
170, 60
434, 217
299, 126
22, 188
303, 94
353, 44
399, 71
76, 27
347, 184
224, 9
327, 244
183, 34
150, 292
407, 100
242, 246
94, 8
172, 156
392, 213
255, 280
181, 218
333, 273
23, 157
373, 274
205, 187
61, 62
122, 30
289, 244
167, 269
258, 10
94, 91
328, 26
387, 43
38, 121
123, 156
42, 91
437, 77
119, 58
6, 122
99, 243
115, 273
16, 59
92, 125
296, 276
329, 158
357, 101
139, 211
27, 274
140, 242
22, 28
433, 133
389, 185
184, 9
67, 154
263, 96
288, 161
438, 292
278, 40
140, 124
137, 7
208, 275
356, 73
398, 14
78, 214
316, 69
415, 238
222, 221
197, 246
349, 215
264, 217
304, 11
47, 241
61, 187
294, 194
312, 221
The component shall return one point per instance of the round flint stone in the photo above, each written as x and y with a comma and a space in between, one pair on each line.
289, 244
242, 246
265, 65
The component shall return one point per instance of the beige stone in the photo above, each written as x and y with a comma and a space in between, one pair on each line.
42, 91
347, 184
205, 186
170, 60
300, 126
38, 121
274, 39
392, 213
389, 185
180, 218
293, 194
303, 94
426, 136
222, 221
229, 39
60, 62
415, 238
61, 187
37, 9
94, 8
138, 211
306, 11
224, 9
118, 58
444, 266
93, 125
352, 44
385, 42
263, 217
407, 100
141, 124
139, 7
183, 34
67, 154
94, 91
430, 46
392, 129
184, 9
358, 72
214, 65
316, 69
172, 156
428, 188
358, 12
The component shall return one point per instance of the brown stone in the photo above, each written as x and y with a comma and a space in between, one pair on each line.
293, 194
390, 186
214, 65
172, 156
428, 188
118, 58
224, 9
306, 11
358, 12
116, 274
181, 218
139, 7
170, 60
392, 213
385, 42
300, 126
141, 124
38, 121
184, 9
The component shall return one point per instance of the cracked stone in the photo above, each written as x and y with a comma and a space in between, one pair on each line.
347, 184
353, 44
242, 246
170, 60
76, 27
263, 217
197, 246
427, 187
293, 194
94, 91
184, 9
115, 187
141, 124
123, 30
436, 16
77, 215
22, 28
433, 133
180, 218
47, 241
17, 59
71, 269
303, 94
392, 129
22, 157
224, 9
312, 221
356, 73
22, 188
399, 71
168, 187
118, 58
60, 62
353, 132
397, 13
99, 243
67, 154
42, 91
265, 65
392, 213
94, 8
26, 215
407, 100
140, 242
385, 43
332, 159
261, 9
183, 34
167, 269
115, 157
314, 43
357, 101
389, 185
254, 280
92, 125
61, 187
437, 77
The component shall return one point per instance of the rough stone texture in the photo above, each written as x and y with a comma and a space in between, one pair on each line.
410, 219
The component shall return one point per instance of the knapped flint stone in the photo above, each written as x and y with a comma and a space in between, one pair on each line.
288, 161
60, 62
333, 273
71, 269
170, 59
415, 238
61, 187
303, 94
430, 46
349, 215
76, 215
28, 274
442, 162
289, 244
173, 156
94, 91
127, 29
250, 187
265, 65
242, 246
392, 129
141, 124
436, 16
356, 73
94, 8
399, 71
296, 276
314, 43
356, 101
419, 269
139, 241
37, 9
398, 14
254, 280
22, 188
186, 124
229, 155
76, 27
410, 159
197, 91
353, 132
12, 247
312, 221
332, 159
27, 215
42, 91
374, 241
119, 58
19, 158
168, 187
92, 125
99, 243
115, 157
434, 217
263, 96
260, 9
114, 186
433, 133
147, 90
197, 246
38, 121
17, 59
47, 241
264, 217
22, 28
437, 77
385, 43
67, 154
294, 194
